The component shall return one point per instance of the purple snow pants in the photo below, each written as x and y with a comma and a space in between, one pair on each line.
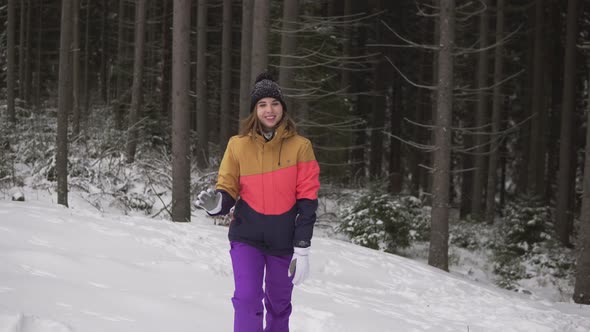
249, 265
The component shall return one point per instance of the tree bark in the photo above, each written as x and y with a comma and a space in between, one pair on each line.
395, 149
136, 91
76, 67
64, 102
37, 80
21, 49
467, 176
522, 182
536, 161
120, 83
28, 76
288, 49
554, 77
346, 48
497, 105
201, 80
378, 107
86, 112
10, 71
181, 109
582, 285
439, 235
226, 71
260, 30
359, 105
563, 213
104, 54
481, 118
246, 57
166, 69
415, 154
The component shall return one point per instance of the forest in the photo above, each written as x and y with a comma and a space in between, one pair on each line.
431, 119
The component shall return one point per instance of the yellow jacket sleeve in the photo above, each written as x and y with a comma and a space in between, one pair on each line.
228, 178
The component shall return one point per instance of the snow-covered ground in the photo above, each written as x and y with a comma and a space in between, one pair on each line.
78, 269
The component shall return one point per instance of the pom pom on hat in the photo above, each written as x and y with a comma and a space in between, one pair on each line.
264, 76
265, 86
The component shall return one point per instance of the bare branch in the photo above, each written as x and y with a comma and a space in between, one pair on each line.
491, 86
429, 127
469, 15
341, 20
428, 87
470, 50
409, 42
421, 11
423, 147
502, 132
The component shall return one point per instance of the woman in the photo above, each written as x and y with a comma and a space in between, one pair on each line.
270, 173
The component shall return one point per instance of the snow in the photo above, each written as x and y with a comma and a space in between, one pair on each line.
77, 269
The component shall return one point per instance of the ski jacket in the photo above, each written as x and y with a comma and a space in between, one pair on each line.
274, 186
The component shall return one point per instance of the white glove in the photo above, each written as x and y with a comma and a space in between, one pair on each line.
299, 266
209, 200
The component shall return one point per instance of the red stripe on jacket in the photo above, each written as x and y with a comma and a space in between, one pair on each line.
276, 192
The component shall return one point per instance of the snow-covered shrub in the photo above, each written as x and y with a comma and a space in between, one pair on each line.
6, 161
526, 246
385, 222
469, 235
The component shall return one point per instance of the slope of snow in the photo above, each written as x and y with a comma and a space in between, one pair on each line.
77, 270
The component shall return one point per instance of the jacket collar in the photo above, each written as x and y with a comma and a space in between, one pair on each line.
280, 133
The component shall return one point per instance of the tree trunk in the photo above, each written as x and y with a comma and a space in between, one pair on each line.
467, 176
427, 178
481, 118
288, 49
181, 109
536, 165
260, 30
165, 82
120, 83
104, 47
64, 102
346, 48
10, 71
76, 67
28, 76
582, 285
86, 112
246, 57
378, 106
38, 59
415, 154
522, 182
395, 149
201, 80
226, 71
439, 235
150, 60
563, 214
497, 105
136, 91
21, 49
359, 105
554, 69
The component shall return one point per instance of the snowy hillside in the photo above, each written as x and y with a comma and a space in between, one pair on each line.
76, 270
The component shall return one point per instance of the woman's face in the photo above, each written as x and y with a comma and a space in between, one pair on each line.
269, 112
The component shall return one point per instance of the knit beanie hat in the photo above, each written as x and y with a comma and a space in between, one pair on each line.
265, 86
